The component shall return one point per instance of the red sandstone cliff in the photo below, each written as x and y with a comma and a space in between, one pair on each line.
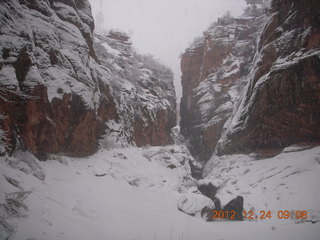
143, 92
279, 105
214, 72
58, 96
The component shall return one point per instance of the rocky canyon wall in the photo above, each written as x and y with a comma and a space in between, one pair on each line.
143, 92
59, 95
245, 89
281, 103
215, 70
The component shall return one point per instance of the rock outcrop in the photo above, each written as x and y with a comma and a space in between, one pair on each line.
49, 78
58, 95
233, 210
281, 103
143, 92
214, 72
235, 206
275, 55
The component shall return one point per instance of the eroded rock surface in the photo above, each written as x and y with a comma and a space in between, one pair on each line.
58, 95
252, 83
214, 72
281, 104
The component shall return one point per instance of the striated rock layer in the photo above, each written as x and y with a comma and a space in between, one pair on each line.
57, 95
274, 53
281, 103
214, 72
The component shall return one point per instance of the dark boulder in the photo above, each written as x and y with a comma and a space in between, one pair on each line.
216, 213
208, 190
236, 205
196, 170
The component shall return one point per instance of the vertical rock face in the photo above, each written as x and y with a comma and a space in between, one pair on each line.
143, 91
56, 94
281, 103
49, 78
214, 72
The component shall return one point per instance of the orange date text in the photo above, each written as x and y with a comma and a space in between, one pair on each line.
263, 214
281, 214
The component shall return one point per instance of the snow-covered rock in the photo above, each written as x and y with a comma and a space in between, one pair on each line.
92, 191
214, 72
287, 181
280, 105
133, 193
143, 92
58, 94
253, 82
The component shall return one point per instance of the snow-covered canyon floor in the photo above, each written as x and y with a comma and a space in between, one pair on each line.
134, 193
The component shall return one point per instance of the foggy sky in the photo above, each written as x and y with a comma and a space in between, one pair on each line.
164, 28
